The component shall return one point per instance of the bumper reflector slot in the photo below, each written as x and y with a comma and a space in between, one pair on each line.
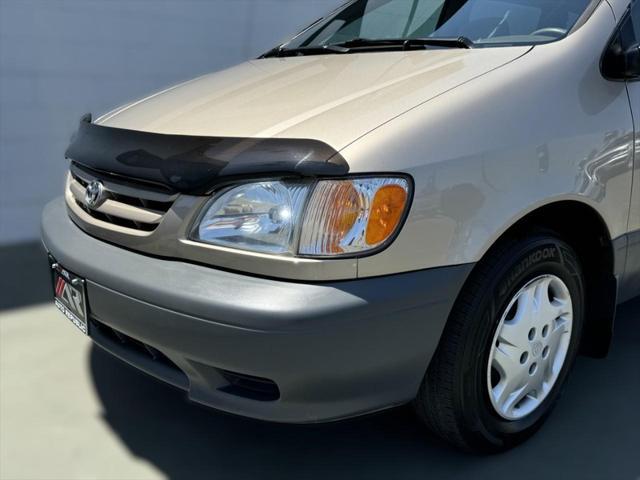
131, 344
254, 388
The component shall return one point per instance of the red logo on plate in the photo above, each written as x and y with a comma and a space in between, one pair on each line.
60, 284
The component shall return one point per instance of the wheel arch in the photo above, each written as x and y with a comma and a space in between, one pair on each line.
582, 227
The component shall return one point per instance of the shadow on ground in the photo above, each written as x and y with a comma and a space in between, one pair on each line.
593, 433
26, 278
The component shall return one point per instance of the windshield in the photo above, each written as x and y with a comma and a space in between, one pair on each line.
484, 22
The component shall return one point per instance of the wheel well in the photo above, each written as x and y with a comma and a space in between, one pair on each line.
583, 228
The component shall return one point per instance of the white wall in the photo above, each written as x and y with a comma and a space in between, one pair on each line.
62, 58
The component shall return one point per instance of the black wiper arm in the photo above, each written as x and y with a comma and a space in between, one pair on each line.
354, 44
300, 51
458, 42
407, 43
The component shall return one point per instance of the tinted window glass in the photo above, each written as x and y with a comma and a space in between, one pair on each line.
619, 62
630, 30
483, 21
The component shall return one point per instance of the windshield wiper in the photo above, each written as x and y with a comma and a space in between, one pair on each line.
300, 51
356, 44
407, 43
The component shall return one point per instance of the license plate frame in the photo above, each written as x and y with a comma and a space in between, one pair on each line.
70, 295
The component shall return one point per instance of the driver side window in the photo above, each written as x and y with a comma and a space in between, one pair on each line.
633, 36
630, 32
622, 59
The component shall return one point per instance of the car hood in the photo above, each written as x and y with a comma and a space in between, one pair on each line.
332, 98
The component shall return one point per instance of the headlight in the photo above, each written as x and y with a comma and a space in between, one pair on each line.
327, 218
260, 217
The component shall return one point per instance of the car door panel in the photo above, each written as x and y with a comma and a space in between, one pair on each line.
631, 284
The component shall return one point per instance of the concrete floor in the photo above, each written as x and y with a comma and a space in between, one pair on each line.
70, 411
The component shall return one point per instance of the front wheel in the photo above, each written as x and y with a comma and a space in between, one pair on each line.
508, 346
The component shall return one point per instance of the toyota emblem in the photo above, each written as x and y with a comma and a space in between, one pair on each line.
94, 194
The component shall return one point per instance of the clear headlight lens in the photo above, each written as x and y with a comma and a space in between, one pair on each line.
260, 217
327, 219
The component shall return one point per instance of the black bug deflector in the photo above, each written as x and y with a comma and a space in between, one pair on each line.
194, 164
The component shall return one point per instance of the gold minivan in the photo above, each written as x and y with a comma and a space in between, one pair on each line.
427, 201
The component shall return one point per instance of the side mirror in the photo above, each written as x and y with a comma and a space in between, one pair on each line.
621, 64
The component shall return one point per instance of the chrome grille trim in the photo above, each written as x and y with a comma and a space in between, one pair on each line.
134, 210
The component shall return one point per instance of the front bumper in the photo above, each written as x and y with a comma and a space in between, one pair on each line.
333, 350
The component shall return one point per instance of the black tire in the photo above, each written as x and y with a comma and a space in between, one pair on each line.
453, 399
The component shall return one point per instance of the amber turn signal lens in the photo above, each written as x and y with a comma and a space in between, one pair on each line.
345, 207
386, 212
352, 216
